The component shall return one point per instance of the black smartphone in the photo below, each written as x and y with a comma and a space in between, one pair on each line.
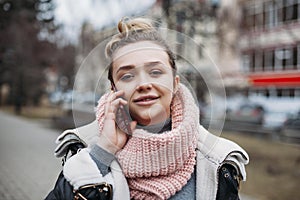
123, 118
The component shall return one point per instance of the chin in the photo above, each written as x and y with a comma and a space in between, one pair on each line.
151, 121
146, 117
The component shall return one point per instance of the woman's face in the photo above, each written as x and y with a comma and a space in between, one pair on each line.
142, 70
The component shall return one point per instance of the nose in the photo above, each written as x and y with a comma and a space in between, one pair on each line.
144, 87
144, 81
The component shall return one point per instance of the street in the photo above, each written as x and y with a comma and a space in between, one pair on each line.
28, 167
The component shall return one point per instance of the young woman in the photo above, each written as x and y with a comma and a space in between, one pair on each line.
169, 154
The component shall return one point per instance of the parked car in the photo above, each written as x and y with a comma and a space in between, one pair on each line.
274, 120
291, 127
247, 113
73, 96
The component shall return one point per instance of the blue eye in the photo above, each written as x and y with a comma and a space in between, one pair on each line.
156, 72
126, 77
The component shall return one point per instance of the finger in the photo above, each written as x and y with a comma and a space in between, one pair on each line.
121, 135
114, 105
119, 102
110, 116
112, 96
115, 95
119, 93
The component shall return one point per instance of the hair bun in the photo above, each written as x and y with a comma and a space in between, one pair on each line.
126, 24
122, 24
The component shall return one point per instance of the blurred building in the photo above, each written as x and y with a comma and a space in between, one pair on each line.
270, 47
229, 18
214, 25
90, 59
255, 45
194, 23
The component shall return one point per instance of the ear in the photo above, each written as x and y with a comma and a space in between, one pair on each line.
176, 83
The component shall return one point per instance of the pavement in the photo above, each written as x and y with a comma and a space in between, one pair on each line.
28, 168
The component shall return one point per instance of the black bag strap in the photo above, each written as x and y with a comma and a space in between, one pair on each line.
100, 191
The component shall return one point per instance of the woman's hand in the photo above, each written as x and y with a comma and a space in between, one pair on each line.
112, 139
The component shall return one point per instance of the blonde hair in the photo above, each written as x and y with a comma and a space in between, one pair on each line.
132, 31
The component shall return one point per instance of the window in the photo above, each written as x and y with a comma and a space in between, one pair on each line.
270, 14
295, 58
297, 92
279, 92
291, 92
258, 58
268, 60
249, 18
287, 60
288, 92
285, 92
280, 11
246, 63
290, 10
259, 16
261, 92
298, 56
272, 91
278, 59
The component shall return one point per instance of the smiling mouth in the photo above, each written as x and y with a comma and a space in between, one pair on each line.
145, 99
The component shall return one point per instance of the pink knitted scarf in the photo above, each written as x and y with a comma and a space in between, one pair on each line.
158, 165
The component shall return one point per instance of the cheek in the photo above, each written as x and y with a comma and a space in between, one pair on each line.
166, 82
168, 96
169, 88
128, 90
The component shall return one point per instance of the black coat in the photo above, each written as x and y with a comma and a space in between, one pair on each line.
63, 190
227, 189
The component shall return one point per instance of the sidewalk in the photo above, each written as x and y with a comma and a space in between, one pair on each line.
28, 167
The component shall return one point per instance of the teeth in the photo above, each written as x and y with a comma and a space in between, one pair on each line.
147, 99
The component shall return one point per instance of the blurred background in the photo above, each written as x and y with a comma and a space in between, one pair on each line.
255, 45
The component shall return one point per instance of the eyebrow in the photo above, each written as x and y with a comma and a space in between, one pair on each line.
151, 64
125, 68
129, 67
